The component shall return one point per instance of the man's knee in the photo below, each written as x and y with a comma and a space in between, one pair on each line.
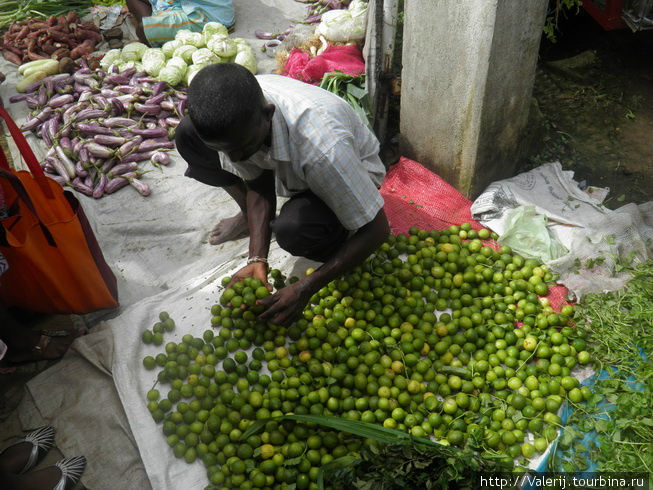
288, 234
184, 132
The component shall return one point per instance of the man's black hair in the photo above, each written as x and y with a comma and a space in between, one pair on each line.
221, 97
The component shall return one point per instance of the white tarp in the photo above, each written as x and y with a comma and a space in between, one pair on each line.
583, 225
158, 249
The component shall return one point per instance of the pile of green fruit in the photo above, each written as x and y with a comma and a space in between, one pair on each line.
374, 346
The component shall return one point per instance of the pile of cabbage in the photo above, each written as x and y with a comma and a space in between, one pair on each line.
177, 61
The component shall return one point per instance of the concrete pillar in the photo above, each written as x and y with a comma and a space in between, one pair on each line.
467, 79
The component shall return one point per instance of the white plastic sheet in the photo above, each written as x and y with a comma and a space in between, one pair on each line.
598, 238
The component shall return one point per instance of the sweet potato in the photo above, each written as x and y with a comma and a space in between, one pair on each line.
61, 54
59, 36
32, 56
83, 34
13, 49
48, 47
12, 57
86, 48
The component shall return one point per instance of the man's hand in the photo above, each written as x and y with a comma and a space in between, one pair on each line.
286, 304
257, 270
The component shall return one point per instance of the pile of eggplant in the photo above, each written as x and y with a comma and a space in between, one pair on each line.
99, 126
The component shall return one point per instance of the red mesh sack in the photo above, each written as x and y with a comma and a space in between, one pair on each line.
415, 196
302, 66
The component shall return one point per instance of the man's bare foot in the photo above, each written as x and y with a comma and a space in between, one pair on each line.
229, 229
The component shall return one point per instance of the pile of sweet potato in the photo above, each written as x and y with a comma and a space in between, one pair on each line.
59, 37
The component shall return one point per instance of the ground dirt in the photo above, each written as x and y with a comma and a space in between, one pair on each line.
594, 91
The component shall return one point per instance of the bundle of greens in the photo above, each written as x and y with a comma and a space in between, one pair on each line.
352, 89
18, 10
619, 328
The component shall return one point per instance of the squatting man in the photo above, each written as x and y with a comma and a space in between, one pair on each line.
257, 137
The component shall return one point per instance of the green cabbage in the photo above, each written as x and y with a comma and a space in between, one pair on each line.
171, 75
242, 45
153, 61
169, 47
240, 42
212, 28
185, 36
222, 46
177, 63
133, 52
247, 59
185, 52
110, 58
192, 71
126, 64
205, 56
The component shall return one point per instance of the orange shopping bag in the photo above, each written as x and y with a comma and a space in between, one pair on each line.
55, 262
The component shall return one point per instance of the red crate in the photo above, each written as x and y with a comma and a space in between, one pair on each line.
606, 12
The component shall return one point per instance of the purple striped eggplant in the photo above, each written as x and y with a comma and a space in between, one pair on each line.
114, 184
142, 188
119, 122
110, 141
92, 129
138, 157
123, 168
98, 192
68, 164
59, 167
155, 144
98, 150
159, 157
60, 100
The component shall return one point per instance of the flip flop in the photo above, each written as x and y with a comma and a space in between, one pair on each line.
42, 440
71, 471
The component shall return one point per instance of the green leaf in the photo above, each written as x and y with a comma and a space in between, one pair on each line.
579, 447
357, 92
362, 429
293, 461
601, 425
568, 467
343, 462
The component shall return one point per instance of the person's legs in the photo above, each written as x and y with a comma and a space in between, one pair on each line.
140, 9
204, 166
307, 227
64, 474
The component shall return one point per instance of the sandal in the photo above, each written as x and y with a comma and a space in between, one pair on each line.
42, 440
71, 471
